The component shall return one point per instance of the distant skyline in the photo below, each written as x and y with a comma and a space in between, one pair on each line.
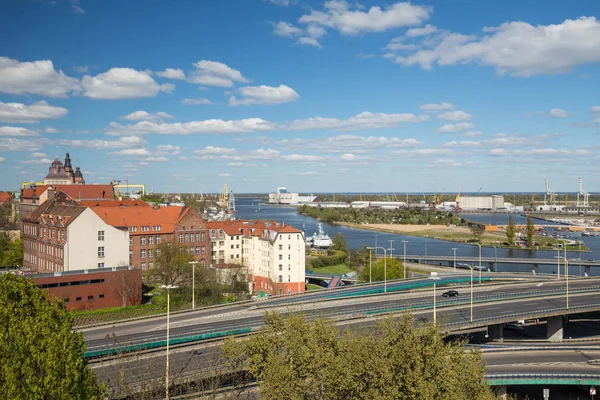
317, 96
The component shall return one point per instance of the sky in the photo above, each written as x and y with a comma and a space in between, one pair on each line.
318, 96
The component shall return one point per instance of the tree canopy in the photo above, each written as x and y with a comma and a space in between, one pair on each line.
390, 267
41, 357
511, 230
339, 243
295, 359
530, 231
171, 263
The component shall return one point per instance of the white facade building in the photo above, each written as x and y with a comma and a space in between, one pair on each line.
490, 203
270, 253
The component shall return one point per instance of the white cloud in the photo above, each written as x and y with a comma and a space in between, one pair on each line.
283, 3
398, 44
39, 155
205, 127
37, 77
213, 73
516, 48
167, 150
463, 144
349, 143
146, 116
2, 159
19, 112
473, 134
123, 142
429, 152
433, 107
453, 128
303, 158
455, 115
348, 157
285, 29
82, 69
225, 175
425, 31
12, 144
595, 109
171, 73
156, 159
498, 152
15, 131
309, 41
132, 152
122, 83
364, 120
45, 161
76, 7
338, 15
51, 130
558, 113
195, 102
210, 150
305, 173
265, 95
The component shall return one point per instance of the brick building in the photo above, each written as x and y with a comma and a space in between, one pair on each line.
272, 253
63, 235
149, 226
93, 289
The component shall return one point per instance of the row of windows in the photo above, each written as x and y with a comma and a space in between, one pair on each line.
189, 237
43, 263
155, 228
71, 283
53, 251
50, 233
90, 297
146, 239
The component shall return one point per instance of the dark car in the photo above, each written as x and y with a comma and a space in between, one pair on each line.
450, 293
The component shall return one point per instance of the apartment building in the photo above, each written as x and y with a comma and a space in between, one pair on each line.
149, 226
62, 235
272, 253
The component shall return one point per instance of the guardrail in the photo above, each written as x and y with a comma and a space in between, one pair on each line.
542, 379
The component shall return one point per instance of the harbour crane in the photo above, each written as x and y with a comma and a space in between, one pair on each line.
457, 206
583, 197
549, 196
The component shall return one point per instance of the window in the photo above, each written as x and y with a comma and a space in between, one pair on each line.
130, 254
100, 251
150, 253
77, 298
280, 278
143, 266
181, 238
203, 250
232, 246
289, 278
156, 228
237, 246
101, 296
197, 249
221, 243
133, 229
280, 247
221, 233
101, 236
281, 256
232, 256
158, 240
150, 265
130, 241
90, 297
145, 228
143, 253
52, 233
143, 240
197, 236
289, 246
62, 234
237, 256
289, 256
157, 252
281, 267
212, 233
191, 249
150, 239
203, 236
100, 265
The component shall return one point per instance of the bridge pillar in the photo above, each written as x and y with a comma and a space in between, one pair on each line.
496, 331
587, 269
554, 329
536, 268
502, 392
491, 266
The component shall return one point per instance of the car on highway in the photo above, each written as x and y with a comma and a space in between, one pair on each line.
513, 327
450, 293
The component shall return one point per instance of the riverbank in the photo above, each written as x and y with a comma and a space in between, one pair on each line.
459, 234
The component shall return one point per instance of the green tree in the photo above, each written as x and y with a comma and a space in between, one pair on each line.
390, 267
339, 243
172, 263
477, 230
295, 359
13, 255
511, 230
41, 356
530, 231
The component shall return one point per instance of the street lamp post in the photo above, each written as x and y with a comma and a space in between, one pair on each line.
193, 263
471, 268
370, 265
384, 266
391, 245
579, 258
558, 263
454, 249
168, 288
479, 244
566, 272
434, 277
495, 256
404, 241
426, 237
376, 236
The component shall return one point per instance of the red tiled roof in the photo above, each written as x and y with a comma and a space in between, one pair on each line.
114, 203
236, 227
5, 197
165, 217
87, 192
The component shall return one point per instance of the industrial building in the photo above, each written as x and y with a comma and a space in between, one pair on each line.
282, 196
482, 203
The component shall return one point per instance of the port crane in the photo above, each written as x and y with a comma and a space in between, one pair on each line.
583, 197
549, 196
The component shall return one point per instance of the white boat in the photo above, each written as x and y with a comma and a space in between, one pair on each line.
320, 240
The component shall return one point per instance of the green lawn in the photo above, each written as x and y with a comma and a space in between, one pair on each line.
332, 269
310, 286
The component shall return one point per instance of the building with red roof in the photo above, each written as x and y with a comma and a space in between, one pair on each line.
270, 253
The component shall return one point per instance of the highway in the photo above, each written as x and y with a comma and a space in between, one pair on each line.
500, 306
490, 260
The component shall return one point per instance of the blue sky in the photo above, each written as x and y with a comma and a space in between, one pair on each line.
315, 95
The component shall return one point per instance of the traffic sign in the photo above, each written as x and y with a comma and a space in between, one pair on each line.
592, 390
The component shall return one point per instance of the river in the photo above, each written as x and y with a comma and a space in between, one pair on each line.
248, 208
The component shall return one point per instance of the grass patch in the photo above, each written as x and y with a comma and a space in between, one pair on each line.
311, 286
88, 317
332, 269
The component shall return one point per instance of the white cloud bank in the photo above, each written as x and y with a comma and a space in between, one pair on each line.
34, 113
37, 77
264, 95
122, 83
